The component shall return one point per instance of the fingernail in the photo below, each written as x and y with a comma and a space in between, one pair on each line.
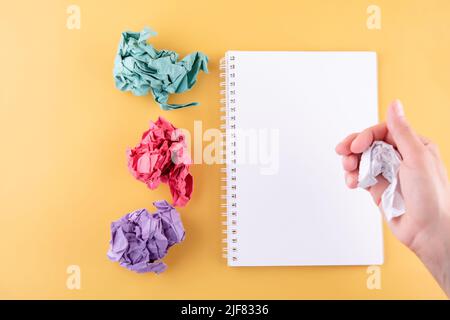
398, 108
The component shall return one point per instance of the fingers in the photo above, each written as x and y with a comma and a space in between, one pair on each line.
350, 162
406, 140
351, 179
355, 144
365, 139
396, 132
360, 142
343, 148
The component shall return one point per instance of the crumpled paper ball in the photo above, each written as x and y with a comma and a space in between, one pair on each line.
382, 159
162, 156
140, 68
140, 239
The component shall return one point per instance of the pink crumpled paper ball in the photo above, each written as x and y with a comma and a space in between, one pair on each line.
162, 156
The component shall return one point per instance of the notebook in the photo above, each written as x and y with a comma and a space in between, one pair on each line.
285, 200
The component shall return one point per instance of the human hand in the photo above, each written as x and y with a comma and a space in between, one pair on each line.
425, 227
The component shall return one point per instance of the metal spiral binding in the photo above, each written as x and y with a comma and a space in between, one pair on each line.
228, 127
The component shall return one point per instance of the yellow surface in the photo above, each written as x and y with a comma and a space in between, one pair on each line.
64, 130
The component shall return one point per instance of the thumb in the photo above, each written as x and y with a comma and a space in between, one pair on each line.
406, 140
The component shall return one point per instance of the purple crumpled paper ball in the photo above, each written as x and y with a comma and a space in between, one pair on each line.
140, 239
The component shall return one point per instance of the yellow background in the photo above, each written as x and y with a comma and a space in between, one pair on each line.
64, 129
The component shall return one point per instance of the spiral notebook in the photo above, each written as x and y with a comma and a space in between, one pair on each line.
285, 200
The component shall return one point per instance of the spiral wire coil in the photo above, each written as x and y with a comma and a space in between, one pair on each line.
228, 182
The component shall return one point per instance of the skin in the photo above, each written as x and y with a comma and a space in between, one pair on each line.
425, 227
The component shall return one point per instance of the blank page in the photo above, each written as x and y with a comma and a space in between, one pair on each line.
299, 105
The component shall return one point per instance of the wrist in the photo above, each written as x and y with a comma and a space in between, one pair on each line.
432, 246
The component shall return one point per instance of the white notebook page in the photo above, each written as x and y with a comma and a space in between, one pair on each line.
301, 213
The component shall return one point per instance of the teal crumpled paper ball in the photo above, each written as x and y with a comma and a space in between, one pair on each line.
140, 68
